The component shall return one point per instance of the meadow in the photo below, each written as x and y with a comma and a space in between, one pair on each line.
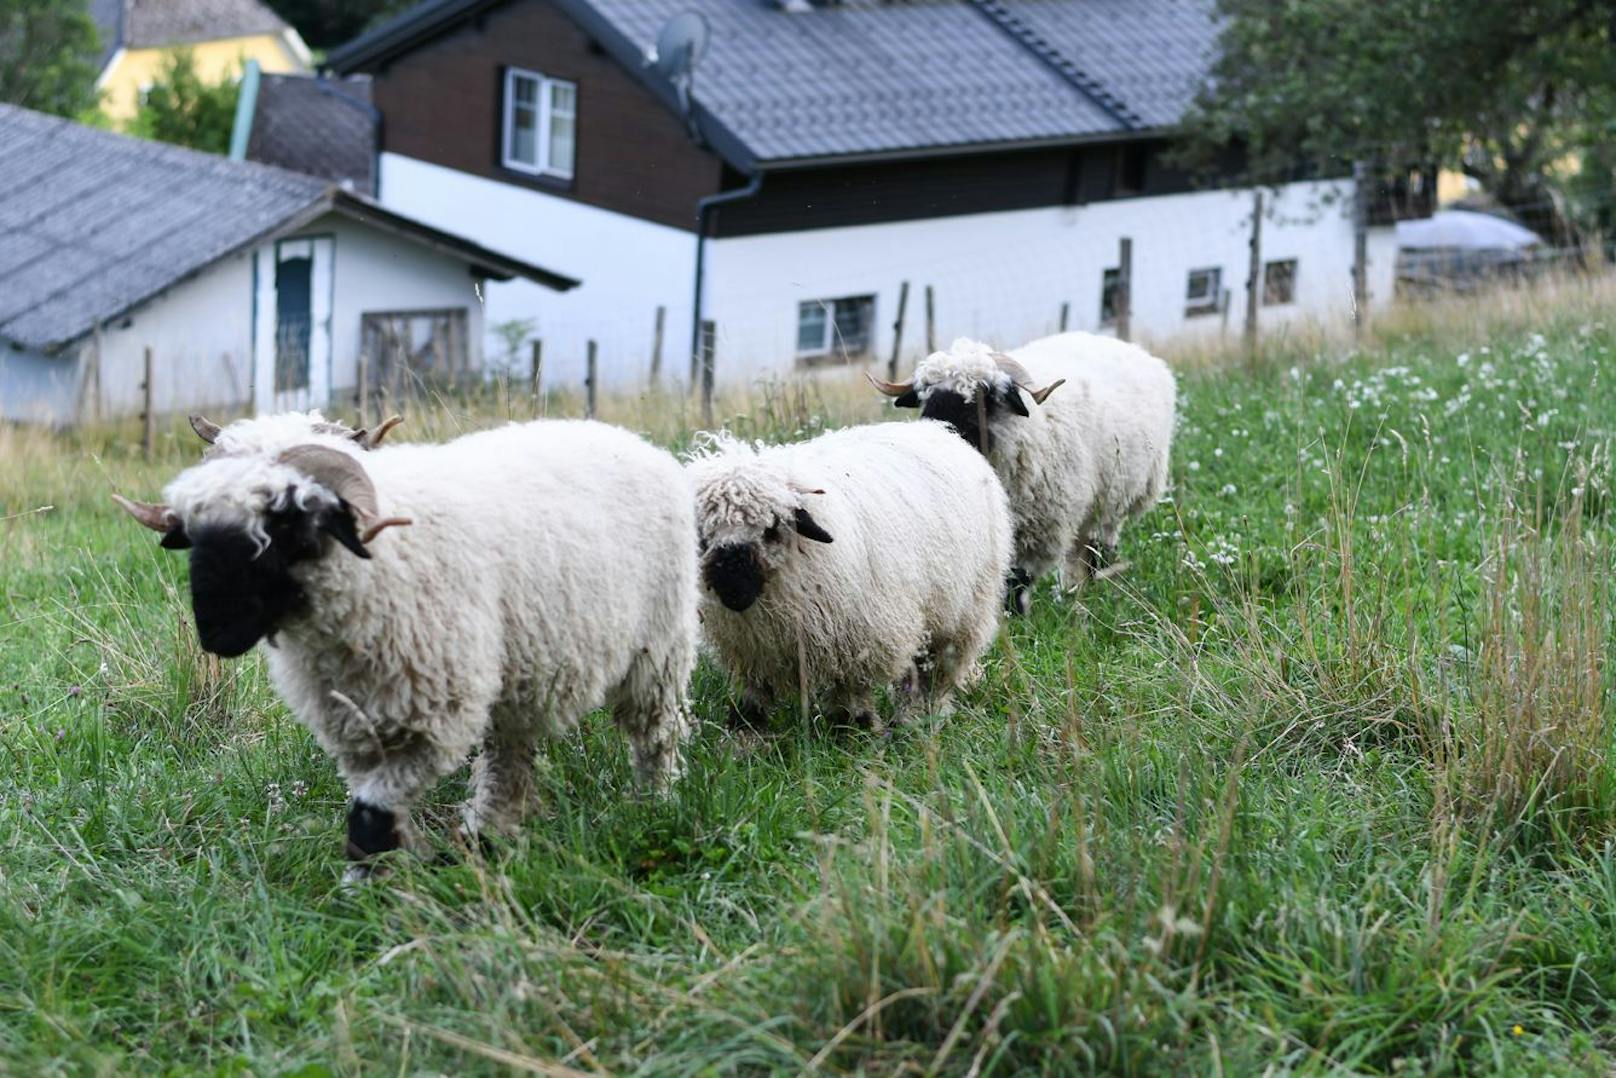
1320, 783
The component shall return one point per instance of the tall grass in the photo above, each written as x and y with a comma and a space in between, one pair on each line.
1320, 783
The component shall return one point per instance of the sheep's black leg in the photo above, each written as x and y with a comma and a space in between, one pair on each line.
1018, 592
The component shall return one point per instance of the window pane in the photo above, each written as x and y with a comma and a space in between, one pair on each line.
523, 145
1279, 282
1204, 291
811, 325
562, 143
563, 97
853, 323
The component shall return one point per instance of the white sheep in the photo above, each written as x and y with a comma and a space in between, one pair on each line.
868, 556
1077, 465
548, 568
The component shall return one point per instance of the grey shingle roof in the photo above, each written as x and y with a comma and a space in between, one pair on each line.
139, 24
322, 127
866, 78
93, 223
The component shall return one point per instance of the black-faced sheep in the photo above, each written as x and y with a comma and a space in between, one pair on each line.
866, 557
548, 568
1076, 465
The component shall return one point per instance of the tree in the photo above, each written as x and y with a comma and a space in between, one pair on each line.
183, 108
49, 55
1504, 91
325, 24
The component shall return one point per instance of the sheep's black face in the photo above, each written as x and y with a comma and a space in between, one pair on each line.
734, 574
966, 417
240, 594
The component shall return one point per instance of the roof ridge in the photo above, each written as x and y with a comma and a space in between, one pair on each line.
999, 13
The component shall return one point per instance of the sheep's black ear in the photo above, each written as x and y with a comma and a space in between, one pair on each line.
1012, 400
907, 399
175, 539
808, 528
339, 524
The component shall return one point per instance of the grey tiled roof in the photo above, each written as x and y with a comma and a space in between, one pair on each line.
139, 24
93, 223
322, 127
867, 77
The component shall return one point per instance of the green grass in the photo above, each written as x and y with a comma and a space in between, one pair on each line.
1322, 782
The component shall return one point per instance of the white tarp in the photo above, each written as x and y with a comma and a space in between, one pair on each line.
1464, 230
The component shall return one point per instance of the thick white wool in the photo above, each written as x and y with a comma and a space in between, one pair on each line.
915, 573
1091, 457
549, 571
964, 368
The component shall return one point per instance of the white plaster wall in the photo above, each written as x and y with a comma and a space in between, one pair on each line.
36, 388
628, 267
200, 334
1002, 277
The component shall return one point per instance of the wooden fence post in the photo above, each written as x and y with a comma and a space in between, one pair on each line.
1360, 247
656, 345
535, 374
897, 332
931, 323
148, 432
1125, 290
362, 391
1066, 314
709, 335
1254, 277
591, 381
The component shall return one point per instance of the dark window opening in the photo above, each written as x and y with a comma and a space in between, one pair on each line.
1130, 175
1110, 284
1279, 283
1203, 292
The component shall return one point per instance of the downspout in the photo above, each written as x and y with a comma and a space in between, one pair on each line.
704, 210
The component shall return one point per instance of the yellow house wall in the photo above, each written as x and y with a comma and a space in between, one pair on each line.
134, 69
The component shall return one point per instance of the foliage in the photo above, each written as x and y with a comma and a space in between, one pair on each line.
325, 24
1502, 90
48, 55
513, 334
1321, 783
183, 108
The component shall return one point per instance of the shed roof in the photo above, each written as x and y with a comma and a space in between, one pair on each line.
94, 223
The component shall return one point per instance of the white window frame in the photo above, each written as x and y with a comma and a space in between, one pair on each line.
544, 104
829, 340
1209, 305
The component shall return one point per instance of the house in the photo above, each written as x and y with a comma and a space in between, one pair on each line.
816, 156
319, 126
138, 35
248, 286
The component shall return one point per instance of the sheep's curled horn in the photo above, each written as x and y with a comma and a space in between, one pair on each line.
1018, 375
209, 431
331, 468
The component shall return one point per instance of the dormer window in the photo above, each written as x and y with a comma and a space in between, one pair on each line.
541, 124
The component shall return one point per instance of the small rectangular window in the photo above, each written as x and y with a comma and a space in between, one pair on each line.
1110, 283
1130, 175
541, 124
1279, 283
835, 330
1204, 291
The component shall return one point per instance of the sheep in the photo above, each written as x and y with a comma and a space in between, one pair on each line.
1077, 466
868, 556
547, 568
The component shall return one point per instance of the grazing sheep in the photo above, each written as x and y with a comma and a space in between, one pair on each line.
548, 568
868, 556
1076, 466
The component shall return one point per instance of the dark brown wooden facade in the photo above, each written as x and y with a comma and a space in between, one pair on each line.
442, 102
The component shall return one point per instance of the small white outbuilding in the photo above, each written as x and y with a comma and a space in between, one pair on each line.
253, 288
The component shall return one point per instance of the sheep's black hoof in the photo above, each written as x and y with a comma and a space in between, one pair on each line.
747, 714
1018, 593
371, 830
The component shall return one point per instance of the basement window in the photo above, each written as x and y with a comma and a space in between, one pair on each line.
1279, 283
540, 124
834, 330
1203, 292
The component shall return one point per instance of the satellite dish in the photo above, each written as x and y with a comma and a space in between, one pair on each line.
680, 45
